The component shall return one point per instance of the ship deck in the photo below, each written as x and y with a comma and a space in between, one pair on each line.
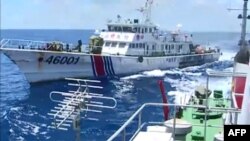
214, 120
199, 121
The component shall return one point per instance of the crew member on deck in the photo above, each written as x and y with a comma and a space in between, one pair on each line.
67, 47
78, 47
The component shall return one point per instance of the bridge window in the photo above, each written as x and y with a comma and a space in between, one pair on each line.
172, 46
166, 47
111, 28
114, 44
122, 45
140, 45
146, 30
162, 47
133, 45
135, 29
150, 30
119, 28
180, 47
107, 44
126, 29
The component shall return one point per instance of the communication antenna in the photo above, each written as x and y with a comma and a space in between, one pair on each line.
243, 43
68, 110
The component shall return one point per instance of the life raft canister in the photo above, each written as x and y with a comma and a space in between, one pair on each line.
140, 59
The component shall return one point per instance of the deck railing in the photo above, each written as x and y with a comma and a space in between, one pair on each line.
138, 114
41, 45
15, 43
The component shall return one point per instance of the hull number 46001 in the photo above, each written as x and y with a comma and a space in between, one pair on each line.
62, 60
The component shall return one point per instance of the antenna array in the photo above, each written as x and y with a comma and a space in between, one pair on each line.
74, 102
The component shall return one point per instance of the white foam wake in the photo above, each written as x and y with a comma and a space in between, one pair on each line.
185, 86
227, 56
160, 73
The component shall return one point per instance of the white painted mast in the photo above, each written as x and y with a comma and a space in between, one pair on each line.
243, 41
146, 11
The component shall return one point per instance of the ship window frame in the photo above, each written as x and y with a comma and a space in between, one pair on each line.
172, 47
123, 45
180, 47
127, 29
140, 45
119, 28
153, 47
111, 28
150, 30
112, 44
135, 29
107, 45
162, 46
136, 45
166, 47
133, 45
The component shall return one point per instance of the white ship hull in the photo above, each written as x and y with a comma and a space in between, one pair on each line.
40, 65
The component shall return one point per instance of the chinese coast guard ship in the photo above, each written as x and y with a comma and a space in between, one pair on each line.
125, 47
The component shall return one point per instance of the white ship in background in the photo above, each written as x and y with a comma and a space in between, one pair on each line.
127, 46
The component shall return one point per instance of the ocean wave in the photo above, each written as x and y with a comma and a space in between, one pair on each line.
21, 126
188, 71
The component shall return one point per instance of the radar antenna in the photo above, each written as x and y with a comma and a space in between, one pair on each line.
75, 102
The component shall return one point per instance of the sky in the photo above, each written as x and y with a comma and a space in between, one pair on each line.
193, 15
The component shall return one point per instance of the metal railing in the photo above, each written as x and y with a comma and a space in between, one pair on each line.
122, 129
14, 43
225, 74
40, 45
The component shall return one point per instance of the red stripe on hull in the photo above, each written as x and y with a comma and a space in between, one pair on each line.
239, 100
239, 84
99, 66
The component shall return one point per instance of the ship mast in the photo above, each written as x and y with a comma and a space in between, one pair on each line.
242, 55
244, 17
146, 11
